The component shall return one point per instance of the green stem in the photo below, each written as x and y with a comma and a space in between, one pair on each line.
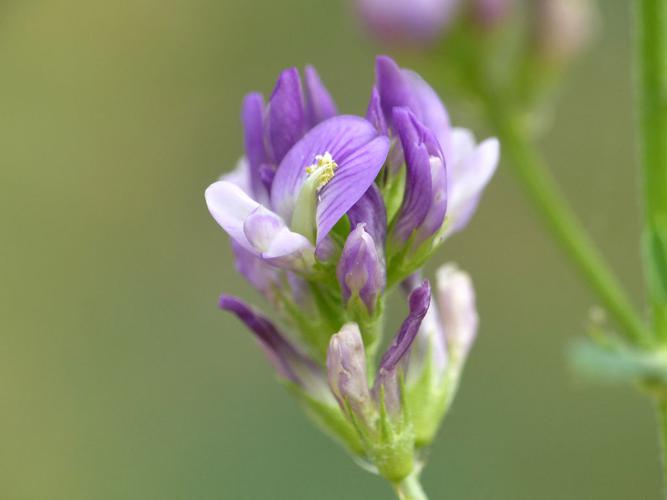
410, 488
651, 46
542, 190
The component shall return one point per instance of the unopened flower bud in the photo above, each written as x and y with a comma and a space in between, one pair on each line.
458, 313
361, 271
562, 28
346, 366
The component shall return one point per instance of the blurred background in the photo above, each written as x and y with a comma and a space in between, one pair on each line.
120, 379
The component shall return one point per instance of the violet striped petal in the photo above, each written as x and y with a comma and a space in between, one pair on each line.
252, 117
425, 199
319, 103
285, 120
359, 153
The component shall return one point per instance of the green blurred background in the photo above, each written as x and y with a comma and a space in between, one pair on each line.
119, 378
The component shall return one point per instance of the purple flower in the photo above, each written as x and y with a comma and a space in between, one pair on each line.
415, 113
320, 178
417, 21
489, 13
361, 271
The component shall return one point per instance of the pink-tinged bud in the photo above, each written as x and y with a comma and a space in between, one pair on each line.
346, 366
562, 28
406, 21
490, 13
361, 271
458, 313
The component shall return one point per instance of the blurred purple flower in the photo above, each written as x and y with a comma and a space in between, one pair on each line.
415, 21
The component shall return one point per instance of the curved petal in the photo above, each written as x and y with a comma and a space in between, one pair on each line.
319, 103
257, 229
370, 210
359, 153
230, 206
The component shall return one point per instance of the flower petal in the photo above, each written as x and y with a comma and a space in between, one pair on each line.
319, 103
469, 176
252, 117
285, 118
230, 206
370, 210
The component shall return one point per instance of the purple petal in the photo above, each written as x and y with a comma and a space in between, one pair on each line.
361, 269
252, 117
358, 151
374, 114
285, 119
419, 146
370, 210
319, 104
280, 352
393, 88
387, 380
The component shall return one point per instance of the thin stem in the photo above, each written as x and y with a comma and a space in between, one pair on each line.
662, 430
542, 190
410, 488
651, 46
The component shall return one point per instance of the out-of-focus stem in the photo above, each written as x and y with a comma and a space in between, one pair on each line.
410, 488
651, 56
543, 191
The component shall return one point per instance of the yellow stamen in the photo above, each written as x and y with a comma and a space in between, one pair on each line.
323, 169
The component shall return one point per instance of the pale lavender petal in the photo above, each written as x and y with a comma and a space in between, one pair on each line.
361, 270
429, 348
252, 117
285, 117
256, 228
458, 312
358, 151
230, 206
471, 171
319, 103
387, 379
346, 366
240, 176
370, 210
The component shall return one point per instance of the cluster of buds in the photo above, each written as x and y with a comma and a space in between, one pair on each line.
327, 214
